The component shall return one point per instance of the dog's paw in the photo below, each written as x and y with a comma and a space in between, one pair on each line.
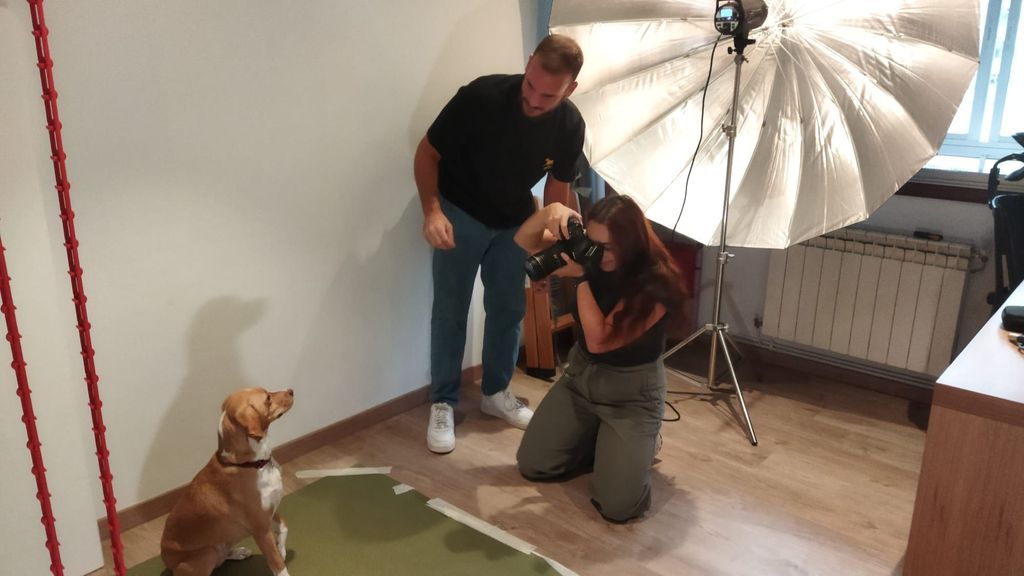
240, 553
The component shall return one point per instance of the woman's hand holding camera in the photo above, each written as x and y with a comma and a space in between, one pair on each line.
557, 240
557, 219
571, 269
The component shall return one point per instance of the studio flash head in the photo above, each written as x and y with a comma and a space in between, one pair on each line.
739, 17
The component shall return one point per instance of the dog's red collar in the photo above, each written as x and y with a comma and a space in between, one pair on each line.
254, 464
251, 464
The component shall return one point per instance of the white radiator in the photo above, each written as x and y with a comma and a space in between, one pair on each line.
874, 298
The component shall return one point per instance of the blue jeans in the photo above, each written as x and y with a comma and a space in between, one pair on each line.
501, 264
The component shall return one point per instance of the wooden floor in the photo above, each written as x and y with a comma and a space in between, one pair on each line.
829, 490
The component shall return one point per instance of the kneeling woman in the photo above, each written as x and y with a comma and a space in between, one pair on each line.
607, 406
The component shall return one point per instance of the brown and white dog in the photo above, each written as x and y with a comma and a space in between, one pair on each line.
235, 495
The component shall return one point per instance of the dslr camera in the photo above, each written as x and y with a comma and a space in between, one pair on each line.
577, 246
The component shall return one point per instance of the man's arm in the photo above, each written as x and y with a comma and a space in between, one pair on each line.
558, 188
557, 191
436, 228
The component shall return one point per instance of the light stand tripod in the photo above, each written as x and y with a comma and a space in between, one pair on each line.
719, 331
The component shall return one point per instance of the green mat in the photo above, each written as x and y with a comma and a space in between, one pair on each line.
356, 525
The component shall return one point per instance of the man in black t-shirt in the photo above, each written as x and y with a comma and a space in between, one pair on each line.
474, 170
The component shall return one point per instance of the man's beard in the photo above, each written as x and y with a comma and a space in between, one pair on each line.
531, 112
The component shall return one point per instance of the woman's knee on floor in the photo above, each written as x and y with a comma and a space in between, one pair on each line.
621, 503
539, 465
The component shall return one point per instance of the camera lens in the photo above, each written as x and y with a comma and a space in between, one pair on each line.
534, 269
543, 263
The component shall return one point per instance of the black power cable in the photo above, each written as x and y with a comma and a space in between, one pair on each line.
686, 187
703, 99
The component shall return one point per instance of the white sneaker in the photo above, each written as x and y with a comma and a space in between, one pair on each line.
441, 429
506, 406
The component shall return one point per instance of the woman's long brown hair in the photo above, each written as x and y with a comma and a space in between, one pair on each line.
645, 274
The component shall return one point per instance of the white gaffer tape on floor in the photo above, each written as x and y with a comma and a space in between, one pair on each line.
401, 488
555, 565
481, 526
493, 531
305, 474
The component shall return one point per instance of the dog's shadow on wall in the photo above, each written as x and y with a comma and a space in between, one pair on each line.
214, 371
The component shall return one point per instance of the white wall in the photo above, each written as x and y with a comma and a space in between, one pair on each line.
747, 273
242, 178
41, 292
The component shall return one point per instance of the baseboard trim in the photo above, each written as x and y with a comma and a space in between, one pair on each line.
305, 444
890, 386
137, 514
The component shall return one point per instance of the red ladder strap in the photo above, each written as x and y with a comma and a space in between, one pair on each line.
67, 215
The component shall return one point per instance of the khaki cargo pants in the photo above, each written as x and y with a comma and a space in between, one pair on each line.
604, 414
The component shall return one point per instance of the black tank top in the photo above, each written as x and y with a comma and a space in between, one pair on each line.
645, 349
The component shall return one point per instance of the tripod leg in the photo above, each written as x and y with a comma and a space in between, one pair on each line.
735, 347
678, 347
682, 344
739, 392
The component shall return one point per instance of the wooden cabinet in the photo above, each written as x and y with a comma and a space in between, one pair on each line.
969, 512
539, 329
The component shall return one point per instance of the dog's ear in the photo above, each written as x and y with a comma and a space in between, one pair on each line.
248, 417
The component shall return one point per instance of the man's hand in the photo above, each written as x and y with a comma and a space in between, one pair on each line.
438, 231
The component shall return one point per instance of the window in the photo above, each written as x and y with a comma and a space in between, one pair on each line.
993, 108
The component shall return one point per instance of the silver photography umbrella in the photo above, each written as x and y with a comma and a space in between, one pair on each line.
840, 103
